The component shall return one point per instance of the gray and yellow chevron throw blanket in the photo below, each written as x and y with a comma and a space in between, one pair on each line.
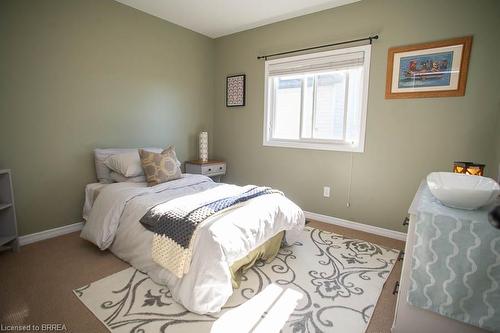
175, 222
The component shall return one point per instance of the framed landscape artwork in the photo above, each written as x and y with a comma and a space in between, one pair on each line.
235, 90
436, 69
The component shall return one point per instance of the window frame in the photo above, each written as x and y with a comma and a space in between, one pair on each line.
317, 144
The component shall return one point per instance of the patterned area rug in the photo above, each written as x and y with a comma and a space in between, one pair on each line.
323, 283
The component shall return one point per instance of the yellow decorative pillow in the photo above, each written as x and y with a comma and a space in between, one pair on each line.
160, 167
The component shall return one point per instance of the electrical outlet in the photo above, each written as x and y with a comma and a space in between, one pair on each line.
326, 191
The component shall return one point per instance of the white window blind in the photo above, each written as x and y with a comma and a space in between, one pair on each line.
317, 64
317, 101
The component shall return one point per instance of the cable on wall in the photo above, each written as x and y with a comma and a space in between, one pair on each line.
349, 184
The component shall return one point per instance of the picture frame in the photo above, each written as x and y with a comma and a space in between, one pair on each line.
435, 69
235, 90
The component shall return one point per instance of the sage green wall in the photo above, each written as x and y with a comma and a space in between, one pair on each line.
405, 139
80, 74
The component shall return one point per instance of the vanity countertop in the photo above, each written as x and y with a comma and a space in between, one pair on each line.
425, 202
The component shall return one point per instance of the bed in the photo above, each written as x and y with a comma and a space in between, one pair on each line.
113, 212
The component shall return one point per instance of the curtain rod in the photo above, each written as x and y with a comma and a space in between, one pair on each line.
371, 38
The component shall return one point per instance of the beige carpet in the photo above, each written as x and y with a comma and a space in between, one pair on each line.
36, 284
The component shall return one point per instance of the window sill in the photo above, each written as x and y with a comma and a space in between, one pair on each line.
315, 146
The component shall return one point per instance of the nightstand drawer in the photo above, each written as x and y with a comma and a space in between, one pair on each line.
210, 168
213, 169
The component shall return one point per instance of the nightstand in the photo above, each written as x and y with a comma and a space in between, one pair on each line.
211, 168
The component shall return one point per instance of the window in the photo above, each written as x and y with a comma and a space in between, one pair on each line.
318, 101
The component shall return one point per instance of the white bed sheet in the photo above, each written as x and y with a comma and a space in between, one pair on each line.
114, 222
91, 192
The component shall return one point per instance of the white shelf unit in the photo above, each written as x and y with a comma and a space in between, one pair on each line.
8, 224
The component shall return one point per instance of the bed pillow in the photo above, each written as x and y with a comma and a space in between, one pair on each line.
127, 164
160, 168
119, 178
101, 154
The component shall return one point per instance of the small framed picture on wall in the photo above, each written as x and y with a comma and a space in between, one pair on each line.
435, 69
235, 90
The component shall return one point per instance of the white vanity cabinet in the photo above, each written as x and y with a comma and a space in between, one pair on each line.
412, 319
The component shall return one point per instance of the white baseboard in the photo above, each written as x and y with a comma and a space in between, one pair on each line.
357, 226
46, 234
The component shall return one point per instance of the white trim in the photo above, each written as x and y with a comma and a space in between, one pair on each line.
357, 226
46, 234
314, 145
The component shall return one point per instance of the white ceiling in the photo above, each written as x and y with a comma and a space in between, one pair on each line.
216, 18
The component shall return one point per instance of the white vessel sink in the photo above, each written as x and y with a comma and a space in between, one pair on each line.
462, 191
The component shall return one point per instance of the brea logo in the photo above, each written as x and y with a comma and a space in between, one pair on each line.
45, 327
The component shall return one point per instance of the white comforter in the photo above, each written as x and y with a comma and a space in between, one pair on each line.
226, 237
